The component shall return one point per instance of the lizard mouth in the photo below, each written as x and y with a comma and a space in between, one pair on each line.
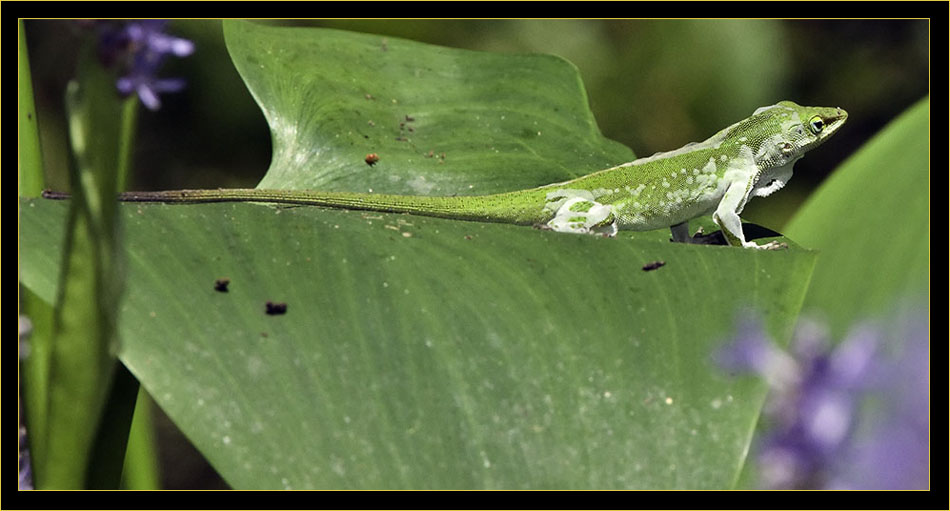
835, 120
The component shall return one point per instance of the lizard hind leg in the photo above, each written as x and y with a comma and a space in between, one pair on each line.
584, 216
680, 232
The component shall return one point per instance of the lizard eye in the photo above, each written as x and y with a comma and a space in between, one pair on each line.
816, 124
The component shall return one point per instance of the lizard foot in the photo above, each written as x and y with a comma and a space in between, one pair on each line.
583, 216
774, 245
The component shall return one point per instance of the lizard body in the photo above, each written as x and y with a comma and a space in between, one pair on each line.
751, 158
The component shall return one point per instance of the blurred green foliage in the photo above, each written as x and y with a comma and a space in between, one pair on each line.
849, 286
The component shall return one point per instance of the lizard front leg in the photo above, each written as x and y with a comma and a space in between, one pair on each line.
727, 218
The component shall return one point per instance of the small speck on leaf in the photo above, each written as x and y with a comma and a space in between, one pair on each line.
221, 285
654, 265
275, 308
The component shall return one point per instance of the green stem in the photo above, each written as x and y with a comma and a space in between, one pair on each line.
140, 469
90, 397
126, 140
30, 156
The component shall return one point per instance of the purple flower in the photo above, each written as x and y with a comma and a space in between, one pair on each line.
148, 37
892, 452
140, 48
25, 470
753, 351
142, 81
817, 438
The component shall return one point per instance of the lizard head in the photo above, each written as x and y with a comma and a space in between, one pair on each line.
793, 130
780, 134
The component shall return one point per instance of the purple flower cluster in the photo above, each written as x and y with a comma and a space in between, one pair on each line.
141, 47
893, 453
818, 435
23, 452
26, 470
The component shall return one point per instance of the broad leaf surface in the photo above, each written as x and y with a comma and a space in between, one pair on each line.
464, 355
441, 120
426, 353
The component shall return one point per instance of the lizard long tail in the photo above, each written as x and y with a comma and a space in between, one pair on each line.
513, 207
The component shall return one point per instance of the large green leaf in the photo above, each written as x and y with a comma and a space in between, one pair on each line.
441, 120
871, 223
427, 353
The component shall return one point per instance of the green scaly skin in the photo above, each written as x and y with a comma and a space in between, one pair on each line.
751, 158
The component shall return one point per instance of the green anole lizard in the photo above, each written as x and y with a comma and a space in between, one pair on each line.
751, 158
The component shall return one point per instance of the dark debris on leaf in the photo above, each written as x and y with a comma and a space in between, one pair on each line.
275, 308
